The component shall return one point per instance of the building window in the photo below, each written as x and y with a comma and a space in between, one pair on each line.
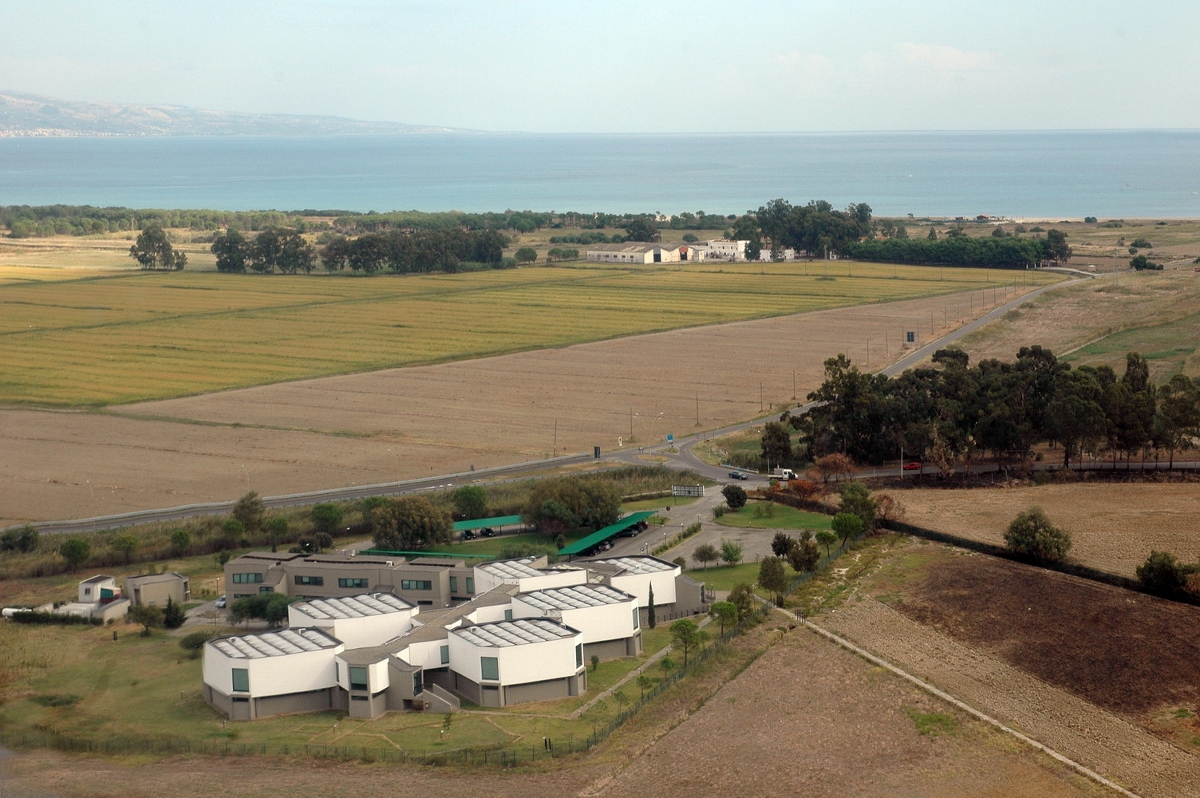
454, 584
316, 581
416, 584
343, 582
470, 584
489, 668
241, 680
637, 619
266, 589
337, 671
445, 655
358, 678
247, 579
417, 686
508, 615
579, 655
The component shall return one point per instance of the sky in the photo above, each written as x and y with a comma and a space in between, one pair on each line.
618, 66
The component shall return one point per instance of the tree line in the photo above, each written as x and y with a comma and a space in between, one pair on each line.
396, 251
1008, 252
952, 410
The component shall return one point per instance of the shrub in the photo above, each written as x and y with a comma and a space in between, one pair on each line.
1032, 534
735, 496
193, 643
1163, 575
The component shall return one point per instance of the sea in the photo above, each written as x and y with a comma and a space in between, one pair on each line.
1067, 174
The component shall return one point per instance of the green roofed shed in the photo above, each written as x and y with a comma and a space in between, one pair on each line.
606, 533
480, 523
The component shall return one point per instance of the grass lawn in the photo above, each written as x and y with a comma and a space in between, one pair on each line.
768, 515
724, 577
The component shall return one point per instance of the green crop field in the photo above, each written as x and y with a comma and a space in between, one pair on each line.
131, 336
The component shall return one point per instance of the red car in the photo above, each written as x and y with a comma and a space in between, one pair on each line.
912, 466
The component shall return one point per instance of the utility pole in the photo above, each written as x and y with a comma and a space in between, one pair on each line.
760, 397
554, 451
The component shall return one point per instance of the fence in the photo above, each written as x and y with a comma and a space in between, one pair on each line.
501, 757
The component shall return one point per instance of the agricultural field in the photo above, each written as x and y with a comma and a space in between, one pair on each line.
1104, 676
136, 335
1113, 526
1097, 322
381, 426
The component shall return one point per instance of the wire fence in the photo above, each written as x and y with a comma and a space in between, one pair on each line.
497, 756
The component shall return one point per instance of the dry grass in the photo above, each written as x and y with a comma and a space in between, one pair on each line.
1113, 527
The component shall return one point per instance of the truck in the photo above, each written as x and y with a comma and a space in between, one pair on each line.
783, 474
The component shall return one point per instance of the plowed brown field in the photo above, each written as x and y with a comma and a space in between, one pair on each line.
1113, 527
406, 423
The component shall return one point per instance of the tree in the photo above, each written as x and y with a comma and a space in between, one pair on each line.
1032, 534
731, 552
126, 544
1177, 423
642, 229
470, 501
276, 528
173, 615
835, 465
772, 577
181, 540
249, 511
1055, 246
326, 517
232, 533
23, 540
1163, 575
827, 537
846, 526
558, 505
409, 523
742, 596
782, 544
706, 553
149, 617
857, 499
776, 443
725, 613
1142, 263
526, 255
804, 556
651, 618
231, 249
76, 551
153, 251
735, 496
687, 637
932, 234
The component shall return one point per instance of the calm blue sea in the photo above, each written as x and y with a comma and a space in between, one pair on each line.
1067, 174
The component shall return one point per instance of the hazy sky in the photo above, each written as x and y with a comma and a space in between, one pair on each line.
627, 66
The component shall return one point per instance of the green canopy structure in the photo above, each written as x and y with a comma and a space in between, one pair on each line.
480, 523
601, 535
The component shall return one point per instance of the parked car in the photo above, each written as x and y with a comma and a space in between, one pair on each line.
221, 603
468, 534
630, 532
488, 532
912, 466
737, 475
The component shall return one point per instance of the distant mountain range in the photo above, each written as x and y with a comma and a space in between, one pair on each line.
30, 115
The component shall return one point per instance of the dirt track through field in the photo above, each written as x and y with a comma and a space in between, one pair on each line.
405, 423
1079, 730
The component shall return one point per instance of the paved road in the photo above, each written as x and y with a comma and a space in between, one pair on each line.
681, 457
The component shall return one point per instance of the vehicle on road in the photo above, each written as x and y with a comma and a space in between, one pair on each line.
914, 466
488, 532
784, 474
468, 534
221, 603
737, 475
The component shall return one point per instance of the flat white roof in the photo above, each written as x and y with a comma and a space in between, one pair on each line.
514, 633
640, 565
575, 597
274, 644
328, 609
511, 569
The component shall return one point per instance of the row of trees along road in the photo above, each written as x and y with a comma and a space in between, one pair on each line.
397, 251
952, 410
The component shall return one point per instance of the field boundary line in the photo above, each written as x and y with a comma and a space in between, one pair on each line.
975, 713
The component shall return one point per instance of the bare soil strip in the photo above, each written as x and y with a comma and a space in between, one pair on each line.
1080, 730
